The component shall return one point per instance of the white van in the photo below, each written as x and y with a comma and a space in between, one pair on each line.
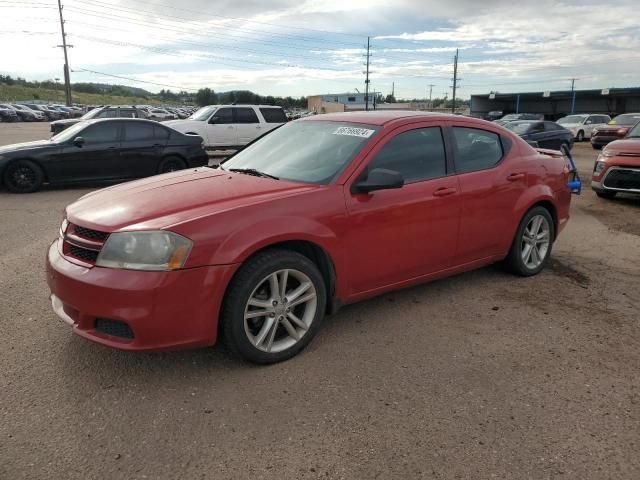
229, 127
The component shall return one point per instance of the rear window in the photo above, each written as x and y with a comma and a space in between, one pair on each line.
273, 115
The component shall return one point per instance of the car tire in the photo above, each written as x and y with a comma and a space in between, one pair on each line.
536, 231
260, 323
171, 164
580, 136
23, 176
605, 193
596, 147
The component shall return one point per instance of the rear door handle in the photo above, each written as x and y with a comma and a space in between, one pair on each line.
444, 191
515, 176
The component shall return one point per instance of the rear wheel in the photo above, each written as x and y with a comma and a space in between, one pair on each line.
580, 136
606, 194
23, 176
531, 247
273, 306
171, 164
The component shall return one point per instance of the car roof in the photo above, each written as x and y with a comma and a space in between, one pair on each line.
121, 119
378, 117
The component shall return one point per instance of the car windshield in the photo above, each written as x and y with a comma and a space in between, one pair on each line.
571, 119
511, 116
69, 133
518, 127
204, 113
634, 132
305, 151
626, 119
91, 113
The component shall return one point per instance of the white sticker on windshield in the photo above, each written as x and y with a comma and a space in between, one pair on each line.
354, 132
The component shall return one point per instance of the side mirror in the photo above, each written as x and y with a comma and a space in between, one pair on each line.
378, 179
78, 142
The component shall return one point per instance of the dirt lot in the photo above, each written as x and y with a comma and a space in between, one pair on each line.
482, 375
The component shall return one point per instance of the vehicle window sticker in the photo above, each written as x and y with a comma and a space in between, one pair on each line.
354, 132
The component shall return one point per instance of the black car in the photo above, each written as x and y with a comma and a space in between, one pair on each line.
543, 134
99, 150
512, 117
7, 114
49, 114
26, 114
106, 111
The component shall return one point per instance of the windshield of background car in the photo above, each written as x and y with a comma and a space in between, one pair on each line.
91, 113
68, 134
626, 119
511, 116
634, 132
203, 114
518, 127
571, 119
309, 152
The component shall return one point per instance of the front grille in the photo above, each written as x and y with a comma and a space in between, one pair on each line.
623, 179
90, 234
85, 254
114, 328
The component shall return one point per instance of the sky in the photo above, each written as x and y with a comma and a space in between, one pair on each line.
306, 47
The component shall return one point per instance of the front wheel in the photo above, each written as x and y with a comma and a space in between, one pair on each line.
580, 136
531, 247
606, 194
171, 164
23, 176
273, 306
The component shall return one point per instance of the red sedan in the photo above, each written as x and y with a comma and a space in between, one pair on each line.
321, 212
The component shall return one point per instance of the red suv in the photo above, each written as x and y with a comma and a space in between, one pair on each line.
320, 212
617, 168
614, 130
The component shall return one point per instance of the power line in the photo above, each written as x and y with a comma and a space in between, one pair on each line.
132, 79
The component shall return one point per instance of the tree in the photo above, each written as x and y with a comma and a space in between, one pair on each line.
206, 96
390, 99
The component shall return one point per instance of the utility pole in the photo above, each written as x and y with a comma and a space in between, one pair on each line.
431, 85
455, 81
393, 89
67, 80
366, 82
573, 95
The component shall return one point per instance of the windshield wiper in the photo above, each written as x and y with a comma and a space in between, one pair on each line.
254, 172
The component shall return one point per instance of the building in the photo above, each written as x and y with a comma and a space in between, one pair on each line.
612, 101
353, 102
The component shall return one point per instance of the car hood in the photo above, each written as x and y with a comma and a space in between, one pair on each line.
68, 121
25, 146
627, 147
165, 200
182, 123
570, 125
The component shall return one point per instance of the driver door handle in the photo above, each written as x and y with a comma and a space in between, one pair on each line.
444, 191
515, 176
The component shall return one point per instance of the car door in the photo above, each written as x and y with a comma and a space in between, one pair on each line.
221, 129
96, 159
248, 125
555, 136
537, 134
492, 178
141, 150
400, 234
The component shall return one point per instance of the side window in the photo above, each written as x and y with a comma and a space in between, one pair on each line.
134, 131
127, 113
537, 128
104, 132
476, 149
223, 116
549, 127
246, 115
416, 155
107, 114
273, 115
160, 133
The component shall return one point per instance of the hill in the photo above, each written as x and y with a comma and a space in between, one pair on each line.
14, 93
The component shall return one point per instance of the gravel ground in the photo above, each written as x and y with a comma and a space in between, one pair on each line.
482, 375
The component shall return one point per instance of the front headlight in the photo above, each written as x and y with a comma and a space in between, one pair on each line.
145, 251
608, 153
598, 167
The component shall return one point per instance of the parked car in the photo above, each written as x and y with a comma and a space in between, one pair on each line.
99, 150
319, 213
582, 125
160, 114
543, 134
617, 169
49, 114
512, 117
231, 126
28, 115
107, 111
8, 114
615, 130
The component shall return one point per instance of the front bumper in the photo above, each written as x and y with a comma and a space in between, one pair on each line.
602, 140
163, 310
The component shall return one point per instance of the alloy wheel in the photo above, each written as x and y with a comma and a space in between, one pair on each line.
280, 310
22, 177
535, 242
